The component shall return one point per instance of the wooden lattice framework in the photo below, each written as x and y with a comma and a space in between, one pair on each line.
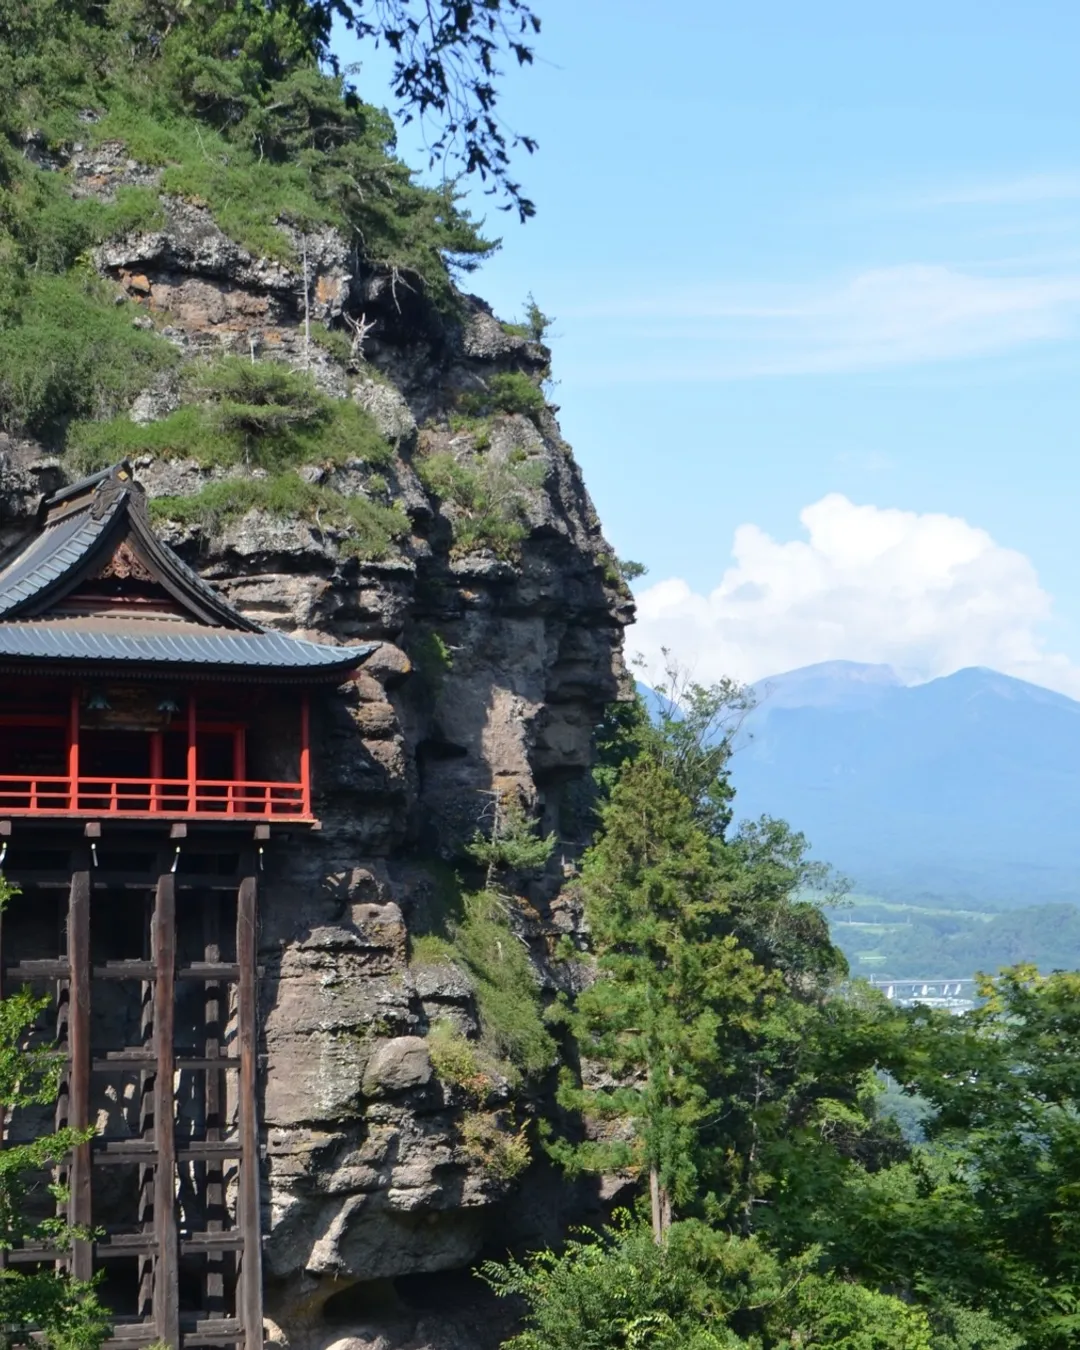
190, 1149
145, 722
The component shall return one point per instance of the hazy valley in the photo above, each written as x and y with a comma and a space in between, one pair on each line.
951, 806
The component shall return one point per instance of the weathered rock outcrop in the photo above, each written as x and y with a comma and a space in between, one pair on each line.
491, 677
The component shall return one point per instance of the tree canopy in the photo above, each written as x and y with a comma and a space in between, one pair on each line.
729, 1072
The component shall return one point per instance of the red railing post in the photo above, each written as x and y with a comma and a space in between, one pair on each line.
73, 750
157, 769
239, 771
192, 755
305, 753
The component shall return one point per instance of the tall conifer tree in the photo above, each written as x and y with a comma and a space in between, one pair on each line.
670, 981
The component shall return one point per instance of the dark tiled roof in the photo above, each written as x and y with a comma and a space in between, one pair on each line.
66, 643
49, 556
78, 530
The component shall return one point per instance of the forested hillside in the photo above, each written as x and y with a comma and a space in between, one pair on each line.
882, 938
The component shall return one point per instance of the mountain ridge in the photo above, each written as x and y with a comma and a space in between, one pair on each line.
965, 785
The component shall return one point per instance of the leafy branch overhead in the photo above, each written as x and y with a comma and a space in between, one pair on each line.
446, 72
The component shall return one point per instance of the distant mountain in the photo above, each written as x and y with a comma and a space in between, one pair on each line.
965, 787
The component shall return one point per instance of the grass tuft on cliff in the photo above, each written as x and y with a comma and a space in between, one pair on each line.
480, 939
260, 414
68, 350
488, 495
366, 529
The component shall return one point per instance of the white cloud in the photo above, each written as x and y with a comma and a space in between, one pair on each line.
888, 316
927, 593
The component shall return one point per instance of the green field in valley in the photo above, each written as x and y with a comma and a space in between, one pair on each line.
908, 940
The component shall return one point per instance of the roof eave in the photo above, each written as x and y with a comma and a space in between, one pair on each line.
66, 668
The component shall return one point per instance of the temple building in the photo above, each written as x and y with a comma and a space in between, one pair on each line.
155, 749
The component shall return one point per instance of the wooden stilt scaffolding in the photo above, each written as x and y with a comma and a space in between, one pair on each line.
170, 1185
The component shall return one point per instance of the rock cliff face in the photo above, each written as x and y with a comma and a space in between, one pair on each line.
494, 667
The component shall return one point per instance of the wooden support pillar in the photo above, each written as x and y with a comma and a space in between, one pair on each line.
78, 943
214, 1010
3, 1109
145, 1304
305, 752
249, 1295
157, 768
62, 1174
192, 753
166, 1268
73, 750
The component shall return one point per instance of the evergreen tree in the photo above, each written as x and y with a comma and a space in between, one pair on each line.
671, 982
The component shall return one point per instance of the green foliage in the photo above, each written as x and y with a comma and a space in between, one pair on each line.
715, 981
68, 350
429, 949
369, 530
535, 324
671, 980
477, 428
50, 228
760, 1096
333, 340
620, 571
447, 59
692, 732
619, 1290
700, 1290
958, 1328
242, 412
831, 1314
489, 498
433, 660
502, 1151
512, 847
536, 320
1005, 1085
458, 1060
64, 1312
510, 391
507, 993
473, 930
230, 102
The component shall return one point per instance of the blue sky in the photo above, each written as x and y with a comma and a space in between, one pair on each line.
804, 254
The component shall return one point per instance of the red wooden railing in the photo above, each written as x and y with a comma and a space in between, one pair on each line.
50, 795
76, 793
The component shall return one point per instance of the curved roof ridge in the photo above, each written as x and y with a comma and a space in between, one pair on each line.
79, 528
